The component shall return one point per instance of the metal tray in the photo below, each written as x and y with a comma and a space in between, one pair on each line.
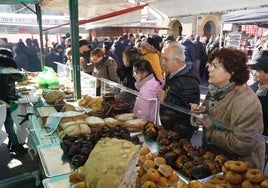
57, 182
52, 161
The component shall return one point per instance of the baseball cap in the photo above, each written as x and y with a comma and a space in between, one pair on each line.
261, 64
83, 42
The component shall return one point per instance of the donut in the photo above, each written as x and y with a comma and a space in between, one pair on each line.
224, 169
149, 184
218, 179
236, 166
255, 175
233, 177
221, 159
247, 184
264, 184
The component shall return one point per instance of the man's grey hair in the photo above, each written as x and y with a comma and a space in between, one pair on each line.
178, 50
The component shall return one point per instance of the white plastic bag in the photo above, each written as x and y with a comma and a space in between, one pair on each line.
3, 112
21, 130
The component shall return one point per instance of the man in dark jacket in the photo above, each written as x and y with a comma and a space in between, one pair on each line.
31, 53
8, 76
189, 48
180, 89
260, 87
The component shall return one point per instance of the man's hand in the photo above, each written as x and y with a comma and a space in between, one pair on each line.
161, 95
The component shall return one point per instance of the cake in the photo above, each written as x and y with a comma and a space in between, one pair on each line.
112, 163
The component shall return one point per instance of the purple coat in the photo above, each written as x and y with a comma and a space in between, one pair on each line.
145, 105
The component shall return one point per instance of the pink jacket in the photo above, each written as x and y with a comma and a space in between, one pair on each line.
145, 105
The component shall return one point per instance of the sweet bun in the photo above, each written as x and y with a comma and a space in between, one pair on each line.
149, 184
159, 161
165, 170
148, 164
162, 181
153, 174
144, 150
173, 179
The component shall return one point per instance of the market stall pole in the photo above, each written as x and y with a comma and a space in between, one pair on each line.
73, 6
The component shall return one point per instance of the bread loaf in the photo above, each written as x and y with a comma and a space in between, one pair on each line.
95, 122
124, 117
73, 125
111, 122
134, 125
54, 96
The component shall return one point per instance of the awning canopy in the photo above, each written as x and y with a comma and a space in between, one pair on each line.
18, 1
249, 17
94, 9
162, 8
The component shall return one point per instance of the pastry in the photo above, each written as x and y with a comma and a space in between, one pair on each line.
95, 122
126, 116
112, 163
135, 125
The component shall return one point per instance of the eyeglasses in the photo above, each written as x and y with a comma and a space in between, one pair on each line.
213, 66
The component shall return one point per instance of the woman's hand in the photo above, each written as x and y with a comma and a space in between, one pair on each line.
161, 95
204, 119
197, 108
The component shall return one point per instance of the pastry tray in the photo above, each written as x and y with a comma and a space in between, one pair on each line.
51, 157
57, 182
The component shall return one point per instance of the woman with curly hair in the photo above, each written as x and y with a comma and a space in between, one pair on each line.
232, 114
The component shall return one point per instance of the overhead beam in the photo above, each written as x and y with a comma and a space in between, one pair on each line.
102, 17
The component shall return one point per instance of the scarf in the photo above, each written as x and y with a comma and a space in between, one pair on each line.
217, 94
262, 90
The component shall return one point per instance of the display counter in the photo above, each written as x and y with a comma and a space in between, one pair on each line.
55, 167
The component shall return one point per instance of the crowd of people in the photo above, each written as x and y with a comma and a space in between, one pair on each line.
168, 70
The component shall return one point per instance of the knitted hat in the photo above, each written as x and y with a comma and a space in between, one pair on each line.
6, 58
153, 42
